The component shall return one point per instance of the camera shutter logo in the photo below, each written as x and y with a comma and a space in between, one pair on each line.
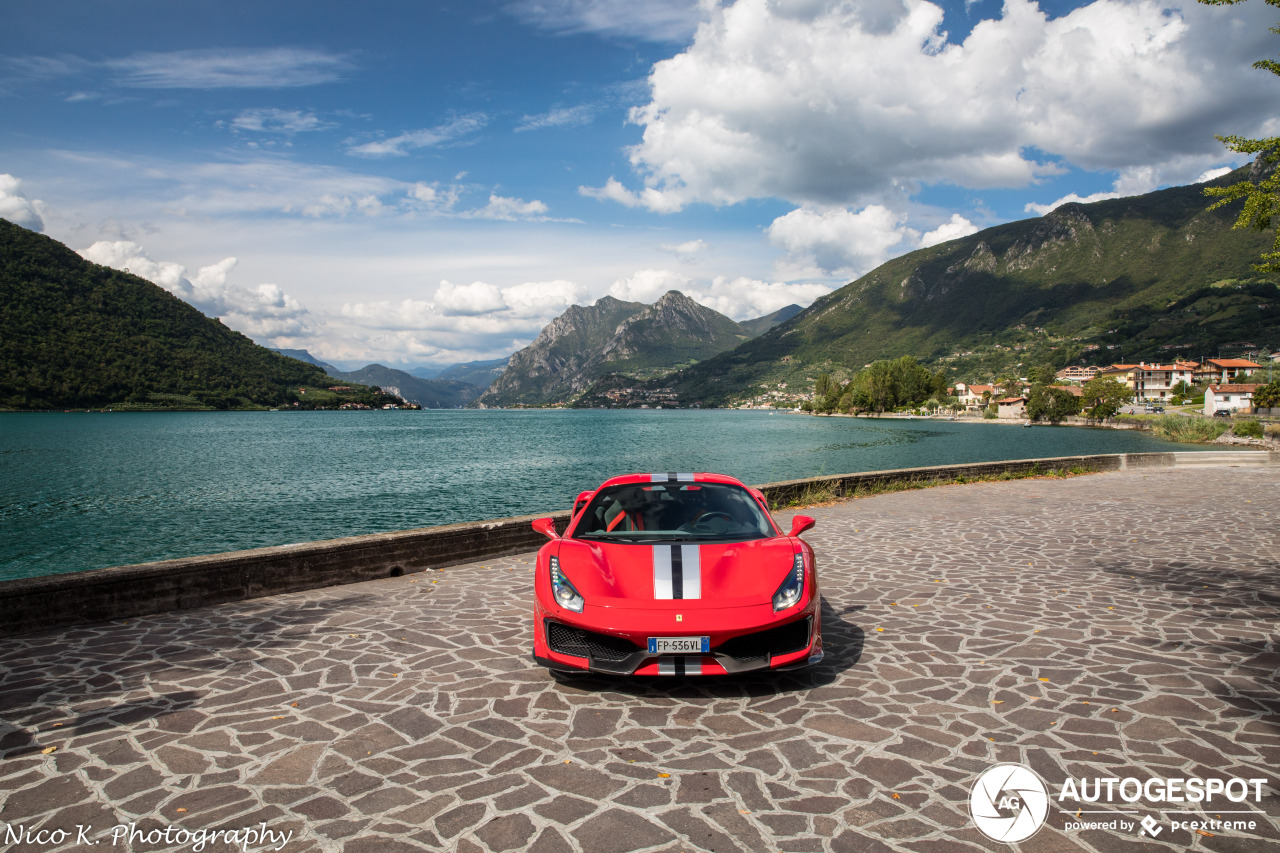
1009, 803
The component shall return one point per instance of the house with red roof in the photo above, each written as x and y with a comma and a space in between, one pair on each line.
1011, 408
1154, 382
1229, 398
1224, 370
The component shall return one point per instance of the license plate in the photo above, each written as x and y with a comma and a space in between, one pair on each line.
679, 645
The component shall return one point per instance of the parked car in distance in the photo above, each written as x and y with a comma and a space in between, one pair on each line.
1221, 413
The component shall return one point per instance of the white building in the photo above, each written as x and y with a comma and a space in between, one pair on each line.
1228, 398
1154, 382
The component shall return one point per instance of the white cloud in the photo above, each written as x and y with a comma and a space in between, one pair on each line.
648, 285
508, 209
468, 299
16, 207
541, 299
1137, 180
431, 197
849, 103
1069, 198
441, 134
1210, 174
747, 298
334, 205
737, 298
652, 20
263, 312
956, 227
838, 241
270, 68
458, 312
278, 121
686, 251
656, 200
578, 116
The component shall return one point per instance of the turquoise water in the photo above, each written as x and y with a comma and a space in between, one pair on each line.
84, 491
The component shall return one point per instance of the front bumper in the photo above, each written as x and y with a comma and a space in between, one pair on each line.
793, 644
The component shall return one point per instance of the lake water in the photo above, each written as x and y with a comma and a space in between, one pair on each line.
84, 491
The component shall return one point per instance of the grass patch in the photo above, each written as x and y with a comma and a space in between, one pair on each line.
829, 493
1247, 429
1187, 430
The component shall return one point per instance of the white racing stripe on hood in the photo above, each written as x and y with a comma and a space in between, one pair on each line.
677, 571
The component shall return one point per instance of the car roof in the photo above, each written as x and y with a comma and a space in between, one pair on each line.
669, 476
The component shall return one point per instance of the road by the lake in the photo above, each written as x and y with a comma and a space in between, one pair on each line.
1110, 625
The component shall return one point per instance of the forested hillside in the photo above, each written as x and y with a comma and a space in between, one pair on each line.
1152, 276
74, 334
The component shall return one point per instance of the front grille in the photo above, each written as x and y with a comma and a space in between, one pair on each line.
783, 640
567, 640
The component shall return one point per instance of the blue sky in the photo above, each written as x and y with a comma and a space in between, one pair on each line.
417, 183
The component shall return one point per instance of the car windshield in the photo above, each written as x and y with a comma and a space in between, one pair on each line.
667, 512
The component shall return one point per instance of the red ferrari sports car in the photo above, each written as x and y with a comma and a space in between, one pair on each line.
675, 574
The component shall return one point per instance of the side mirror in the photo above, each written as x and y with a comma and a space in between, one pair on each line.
799, 524
547, 527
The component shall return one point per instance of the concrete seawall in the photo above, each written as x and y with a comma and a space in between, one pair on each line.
56, 601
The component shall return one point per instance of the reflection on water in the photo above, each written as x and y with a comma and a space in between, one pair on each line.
80, 491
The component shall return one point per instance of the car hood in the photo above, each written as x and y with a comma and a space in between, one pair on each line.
684, 576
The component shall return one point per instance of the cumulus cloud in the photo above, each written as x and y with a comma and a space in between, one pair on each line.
737, 298
652, 20
475, 309
648, 285
432, 197
278, 121
654, 199
839, 241
747, 298
508, 209
954, 228
442, 134
1069, 198
468, 299
16, 207
848, 103
263, 311
232, 68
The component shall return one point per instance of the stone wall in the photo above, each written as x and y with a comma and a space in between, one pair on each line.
54, 601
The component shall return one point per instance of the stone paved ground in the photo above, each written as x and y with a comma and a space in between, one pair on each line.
1108, 625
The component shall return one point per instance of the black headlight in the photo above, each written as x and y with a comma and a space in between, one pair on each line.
792, 589
563, 591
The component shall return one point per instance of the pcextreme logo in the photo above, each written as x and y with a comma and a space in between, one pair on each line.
1009, 803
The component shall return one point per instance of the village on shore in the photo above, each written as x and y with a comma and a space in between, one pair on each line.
1217, 386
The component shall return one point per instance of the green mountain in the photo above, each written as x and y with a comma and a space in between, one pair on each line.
74, 334
478, 373
303, 355
586, 343
760, 325
1112, 274
427, 393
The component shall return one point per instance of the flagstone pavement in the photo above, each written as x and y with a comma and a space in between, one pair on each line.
1108, 625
